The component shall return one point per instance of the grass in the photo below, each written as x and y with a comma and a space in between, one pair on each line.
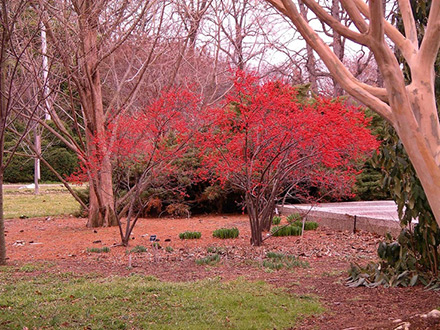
277, 261
50, 202
190, 235
104, 249
141, 302
211, 259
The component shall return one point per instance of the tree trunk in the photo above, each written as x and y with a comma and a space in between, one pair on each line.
338, 48
410, 109
254, 220
310, 62
101, 202
2, 222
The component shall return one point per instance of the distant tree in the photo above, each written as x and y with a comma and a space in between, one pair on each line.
264, 142
18, 94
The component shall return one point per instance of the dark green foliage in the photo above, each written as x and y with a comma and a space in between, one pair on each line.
209, 260
226, 233
286, 231
277, 261
190, 235
105, 249
62, 160
56, 153
369, 182
20, 170
276, 220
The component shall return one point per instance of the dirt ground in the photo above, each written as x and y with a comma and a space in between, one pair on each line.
62, 244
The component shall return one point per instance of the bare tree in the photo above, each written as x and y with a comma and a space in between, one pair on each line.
411, 109
84, 35
18, 94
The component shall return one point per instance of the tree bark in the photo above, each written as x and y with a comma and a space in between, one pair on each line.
410, 109
101, 202
2, 221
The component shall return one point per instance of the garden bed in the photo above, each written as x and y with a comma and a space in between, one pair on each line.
62, 245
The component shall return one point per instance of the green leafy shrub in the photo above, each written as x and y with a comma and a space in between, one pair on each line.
276, 220
286, 231
190, 235
226, 233
398, 266
208, 260
105, 249
169, 249
291, 218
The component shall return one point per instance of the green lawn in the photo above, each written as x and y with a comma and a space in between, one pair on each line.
50, 202
143, 302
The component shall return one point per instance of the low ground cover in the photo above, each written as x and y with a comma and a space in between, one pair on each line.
313, 267
54, 200
143, 302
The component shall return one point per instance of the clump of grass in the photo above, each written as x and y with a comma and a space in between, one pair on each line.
190, 235
209, 259
226, 233
276, 220
286, 231
277, 261
169, 249
104, 249
308, 225
214, 249
156, 245
138, 249
291, 218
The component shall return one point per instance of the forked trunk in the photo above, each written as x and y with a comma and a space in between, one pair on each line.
254, 221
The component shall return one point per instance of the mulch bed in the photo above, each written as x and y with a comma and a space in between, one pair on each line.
62, 244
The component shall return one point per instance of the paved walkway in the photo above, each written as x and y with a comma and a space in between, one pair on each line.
374, 216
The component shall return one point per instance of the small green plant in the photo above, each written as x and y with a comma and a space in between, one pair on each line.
214, 249
308, 225
291, 218
190, 235
105, 249
208, 260
169, 249
156, 245
277, 261
138, 249
276, 220
226, 233
286, 231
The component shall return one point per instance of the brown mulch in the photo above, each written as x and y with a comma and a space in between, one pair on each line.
62, 243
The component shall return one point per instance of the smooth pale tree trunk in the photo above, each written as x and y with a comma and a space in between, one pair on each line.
410, 109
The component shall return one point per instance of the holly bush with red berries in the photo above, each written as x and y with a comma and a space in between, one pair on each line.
265, 142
